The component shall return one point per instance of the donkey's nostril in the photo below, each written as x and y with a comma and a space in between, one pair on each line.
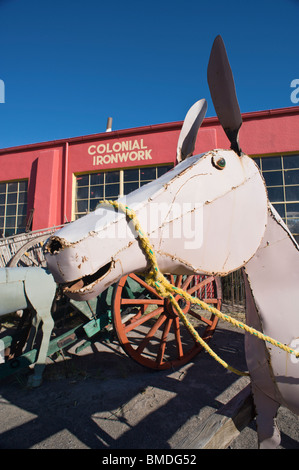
54, 246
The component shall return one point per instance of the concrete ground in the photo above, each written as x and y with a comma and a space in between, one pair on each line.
104, 400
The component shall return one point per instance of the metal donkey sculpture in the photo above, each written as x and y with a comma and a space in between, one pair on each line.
34, 289
224, 186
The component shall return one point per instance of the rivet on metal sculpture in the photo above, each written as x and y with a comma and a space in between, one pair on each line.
225, 186
29, 288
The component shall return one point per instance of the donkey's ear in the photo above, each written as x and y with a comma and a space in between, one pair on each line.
192, 123
223, 93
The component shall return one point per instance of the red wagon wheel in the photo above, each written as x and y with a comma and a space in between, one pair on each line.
149, 329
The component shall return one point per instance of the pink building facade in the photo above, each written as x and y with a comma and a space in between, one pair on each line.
50, 183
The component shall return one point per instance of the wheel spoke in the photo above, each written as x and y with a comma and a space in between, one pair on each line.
200, 285
178, 340
128, 316
162, 347
178, 281
142, 301
200, 317
151, 333
144, 284
187, 282
136, 322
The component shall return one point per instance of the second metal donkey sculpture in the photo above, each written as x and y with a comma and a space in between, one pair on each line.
30, 288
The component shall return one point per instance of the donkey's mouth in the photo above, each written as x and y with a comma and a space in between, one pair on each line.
86, 283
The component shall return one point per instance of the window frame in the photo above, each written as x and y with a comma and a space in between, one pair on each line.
282, 205
121, 183
16, 220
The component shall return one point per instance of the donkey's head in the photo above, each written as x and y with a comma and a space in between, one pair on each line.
206, 215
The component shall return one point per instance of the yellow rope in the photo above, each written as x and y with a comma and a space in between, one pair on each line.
164, 288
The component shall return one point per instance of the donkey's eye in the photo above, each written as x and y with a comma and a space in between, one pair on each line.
219, 163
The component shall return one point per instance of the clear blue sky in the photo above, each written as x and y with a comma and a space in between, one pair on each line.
67, 64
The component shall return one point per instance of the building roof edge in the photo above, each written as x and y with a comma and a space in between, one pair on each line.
146, 129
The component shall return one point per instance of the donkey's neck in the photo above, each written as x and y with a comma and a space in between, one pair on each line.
272, 303
273, 276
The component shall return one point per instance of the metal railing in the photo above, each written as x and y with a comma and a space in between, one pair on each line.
233, 289
9, 246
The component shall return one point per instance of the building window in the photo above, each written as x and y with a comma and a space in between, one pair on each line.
134, 178
281, 174
13, 207
93, 187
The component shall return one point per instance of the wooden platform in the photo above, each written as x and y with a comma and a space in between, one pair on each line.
222, 427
